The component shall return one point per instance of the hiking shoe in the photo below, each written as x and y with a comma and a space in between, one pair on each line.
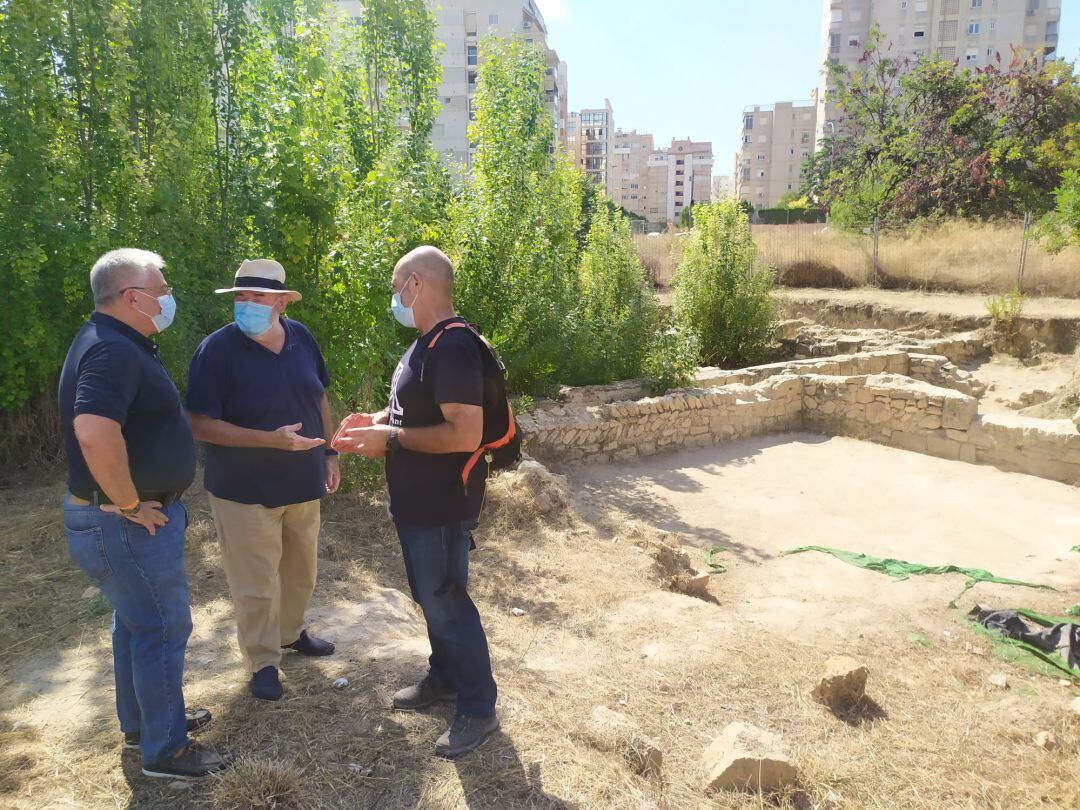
309, 645
465, 734
265, 684
192, 763
424, 694
197, 720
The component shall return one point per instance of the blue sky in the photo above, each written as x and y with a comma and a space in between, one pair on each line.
677, 68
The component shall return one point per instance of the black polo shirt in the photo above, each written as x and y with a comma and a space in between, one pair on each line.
237, 380
113, 371
426, 488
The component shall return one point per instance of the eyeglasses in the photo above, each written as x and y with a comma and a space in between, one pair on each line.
168, 290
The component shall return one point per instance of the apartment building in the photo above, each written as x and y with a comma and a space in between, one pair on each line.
723, 186
461, 25
678, 177
972, 32
776, 140
628, 175
590, 141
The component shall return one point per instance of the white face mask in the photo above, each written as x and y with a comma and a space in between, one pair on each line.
403, 313
164, 319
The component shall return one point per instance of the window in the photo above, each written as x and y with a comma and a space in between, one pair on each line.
903, 5
748, 122
947, 30
992, 25
921, 6
989, 51
761, 173
761, 158
472, 54
806, 153
976, 3
493, 19
763, 138
679, 162
973, 29
529, 41
472, 109
834, 43
1033, 5
804, 138
633, 185
918, 33
836, 16
853, 42
747, 139
971, 55
1052, 29
472, 77
678, 182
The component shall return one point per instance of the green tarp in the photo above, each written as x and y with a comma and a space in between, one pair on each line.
901, 569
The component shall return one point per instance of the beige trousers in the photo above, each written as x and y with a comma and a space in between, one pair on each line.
269, 556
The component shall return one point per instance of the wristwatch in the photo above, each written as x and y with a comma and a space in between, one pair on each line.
392, 443
131, 511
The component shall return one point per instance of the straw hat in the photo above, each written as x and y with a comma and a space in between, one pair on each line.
261, 275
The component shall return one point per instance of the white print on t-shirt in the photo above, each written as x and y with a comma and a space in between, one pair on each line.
397, 413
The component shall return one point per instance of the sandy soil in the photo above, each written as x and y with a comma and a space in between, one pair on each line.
763, 496
949, 304
1008, 379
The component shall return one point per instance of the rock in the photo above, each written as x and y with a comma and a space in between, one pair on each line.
341, 683
1076, 419
1074, 706
609, 730
1046, 740
999, 680
517, 611
744, 757
179, 785
92, 592
843, 683
543, 503
697, 584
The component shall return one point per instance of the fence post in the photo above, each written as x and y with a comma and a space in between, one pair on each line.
874, 273
1023, 252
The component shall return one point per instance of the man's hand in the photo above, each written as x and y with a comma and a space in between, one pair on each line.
286, 438
149, 515
333, 474
369, 441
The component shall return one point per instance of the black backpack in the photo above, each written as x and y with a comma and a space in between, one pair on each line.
500, 444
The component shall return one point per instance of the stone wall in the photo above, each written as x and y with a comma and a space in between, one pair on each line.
887, 407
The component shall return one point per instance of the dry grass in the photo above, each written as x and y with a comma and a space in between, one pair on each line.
659, 253
592, 600
958, 256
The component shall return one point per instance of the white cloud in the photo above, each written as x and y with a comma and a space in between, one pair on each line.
554, 10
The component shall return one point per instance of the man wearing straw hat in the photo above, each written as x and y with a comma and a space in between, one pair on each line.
257, 398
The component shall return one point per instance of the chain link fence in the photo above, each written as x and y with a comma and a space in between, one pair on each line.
956, 256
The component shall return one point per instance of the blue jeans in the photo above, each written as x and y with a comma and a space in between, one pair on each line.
437, 564
144, 580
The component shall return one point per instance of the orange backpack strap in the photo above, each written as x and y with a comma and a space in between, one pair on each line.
502, 441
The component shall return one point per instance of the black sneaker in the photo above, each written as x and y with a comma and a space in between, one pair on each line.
197, 720
424, 694
465, 734
265, 684
193, 763
309, 645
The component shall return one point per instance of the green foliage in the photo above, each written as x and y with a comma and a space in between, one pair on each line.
686, 217
921, 140
515, 221
1005, 309
671, 360
1061, 227
719, 295
616, 310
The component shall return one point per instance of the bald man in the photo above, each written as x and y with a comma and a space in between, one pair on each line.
433, 424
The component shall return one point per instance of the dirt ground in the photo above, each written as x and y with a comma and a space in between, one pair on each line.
597, 630
958, 305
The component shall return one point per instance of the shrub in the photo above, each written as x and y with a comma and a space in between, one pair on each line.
616, 310
719, 294
671, 359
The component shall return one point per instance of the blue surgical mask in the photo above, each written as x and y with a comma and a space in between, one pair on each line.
253, 319
164, 319
403, 313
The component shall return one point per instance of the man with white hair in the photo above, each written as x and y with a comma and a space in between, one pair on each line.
130, 457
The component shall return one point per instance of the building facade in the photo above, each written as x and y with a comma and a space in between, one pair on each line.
723, 186
678, 177
628, 175
590, 142
973, 32
461, 26
776, 140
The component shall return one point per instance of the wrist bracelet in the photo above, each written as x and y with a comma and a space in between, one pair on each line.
131, 511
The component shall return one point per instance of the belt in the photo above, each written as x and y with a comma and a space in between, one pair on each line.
98, 498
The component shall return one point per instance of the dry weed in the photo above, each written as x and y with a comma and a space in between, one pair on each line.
255, 784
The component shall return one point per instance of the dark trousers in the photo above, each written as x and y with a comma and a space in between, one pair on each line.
437, 564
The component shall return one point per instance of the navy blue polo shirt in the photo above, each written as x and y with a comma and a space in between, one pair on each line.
113, 371
426, 488
237, 380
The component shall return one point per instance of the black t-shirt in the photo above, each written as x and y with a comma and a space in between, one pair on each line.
113, 371
425, 488
235, 379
